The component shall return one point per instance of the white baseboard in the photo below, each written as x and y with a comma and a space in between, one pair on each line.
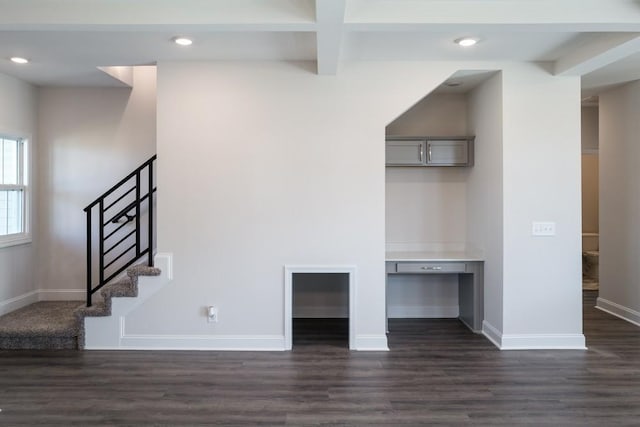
620, 311
543, 342
371, 343
12, 304
199, 342
533, 341
226, 343
423, 312
492, 333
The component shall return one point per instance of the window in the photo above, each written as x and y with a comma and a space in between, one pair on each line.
13, 191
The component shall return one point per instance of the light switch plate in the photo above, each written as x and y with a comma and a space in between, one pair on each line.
543, 228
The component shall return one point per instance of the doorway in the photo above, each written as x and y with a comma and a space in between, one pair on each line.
590, 195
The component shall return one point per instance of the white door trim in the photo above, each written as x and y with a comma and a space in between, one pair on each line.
290, 270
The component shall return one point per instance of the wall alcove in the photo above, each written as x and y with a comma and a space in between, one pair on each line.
297, 277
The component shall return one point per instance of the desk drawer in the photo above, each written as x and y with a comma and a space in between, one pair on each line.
431, 267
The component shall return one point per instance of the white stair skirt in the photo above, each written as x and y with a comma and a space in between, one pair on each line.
290, 270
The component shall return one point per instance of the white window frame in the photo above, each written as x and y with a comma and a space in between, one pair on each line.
24, 180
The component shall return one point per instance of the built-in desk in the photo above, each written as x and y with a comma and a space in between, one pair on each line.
469, 268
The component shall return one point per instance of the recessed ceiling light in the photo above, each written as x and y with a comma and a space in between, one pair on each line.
466, 41
19, 60
182, 41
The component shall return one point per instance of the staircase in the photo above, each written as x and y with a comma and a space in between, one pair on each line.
119, 233
125, 288
58, 325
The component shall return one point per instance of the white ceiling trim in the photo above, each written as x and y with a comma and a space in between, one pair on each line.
330, 19
141, 12
493, 11
605, 50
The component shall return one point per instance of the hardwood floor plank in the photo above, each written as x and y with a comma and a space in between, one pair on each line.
437, 373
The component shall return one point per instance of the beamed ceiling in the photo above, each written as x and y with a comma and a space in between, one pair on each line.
67, 40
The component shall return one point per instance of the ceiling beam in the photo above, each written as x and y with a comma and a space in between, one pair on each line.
34, 13
329, 35
603, 50
520, 12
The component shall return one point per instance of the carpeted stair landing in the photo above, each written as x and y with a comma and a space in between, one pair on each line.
42, 325
56, 325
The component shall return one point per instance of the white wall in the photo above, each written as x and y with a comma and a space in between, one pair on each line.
541, 182
620, 202
17, 117
485, 199
282, 167
318, 295
90, 139
437, 114
425, 208
269, 164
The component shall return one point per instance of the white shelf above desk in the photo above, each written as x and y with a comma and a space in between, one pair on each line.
433, 256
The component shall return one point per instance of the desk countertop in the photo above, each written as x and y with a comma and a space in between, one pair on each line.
448, 256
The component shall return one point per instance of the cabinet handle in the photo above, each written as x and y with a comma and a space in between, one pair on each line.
432, 268
429, 154
421, 152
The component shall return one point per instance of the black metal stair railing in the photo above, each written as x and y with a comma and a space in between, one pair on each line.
122, 220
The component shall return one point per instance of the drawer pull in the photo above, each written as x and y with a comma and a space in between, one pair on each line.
430, 267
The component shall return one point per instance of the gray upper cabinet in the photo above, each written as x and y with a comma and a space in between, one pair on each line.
448, 152
429, 151
405, 152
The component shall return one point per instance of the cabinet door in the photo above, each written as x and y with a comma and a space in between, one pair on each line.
405, 152
449, 152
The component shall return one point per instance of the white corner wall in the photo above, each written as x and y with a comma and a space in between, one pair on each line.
90, 138
485, 207
541, 182
18, 117
620, 202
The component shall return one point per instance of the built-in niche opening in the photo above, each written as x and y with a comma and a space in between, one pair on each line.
321, 309
319, 306
443, 210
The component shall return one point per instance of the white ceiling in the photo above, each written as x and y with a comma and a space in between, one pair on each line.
67, 40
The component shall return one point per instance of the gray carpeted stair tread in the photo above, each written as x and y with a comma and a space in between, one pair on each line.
44, 318
123, 288
38, 343
39, 326
143, 270
98, 309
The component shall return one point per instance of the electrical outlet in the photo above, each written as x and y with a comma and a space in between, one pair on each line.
543, 228
212, 314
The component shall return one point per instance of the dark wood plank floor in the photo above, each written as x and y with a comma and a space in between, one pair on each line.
438, 373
